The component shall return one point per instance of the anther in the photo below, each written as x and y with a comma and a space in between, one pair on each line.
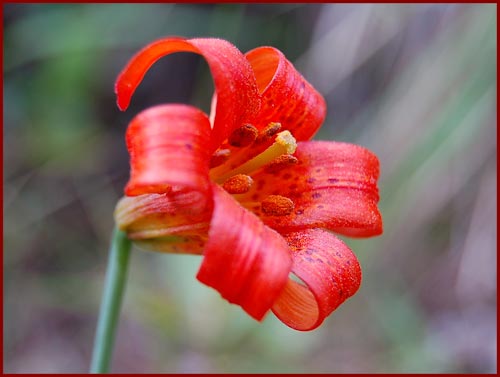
268, 132
238, 184
277, 205
219, 157
243, 136
280, 162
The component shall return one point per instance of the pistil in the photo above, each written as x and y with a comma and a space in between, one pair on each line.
284, 144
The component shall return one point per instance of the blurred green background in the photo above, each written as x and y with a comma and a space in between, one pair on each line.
414, 83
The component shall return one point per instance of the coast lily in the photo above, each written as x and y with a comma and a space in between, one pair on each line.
245, 188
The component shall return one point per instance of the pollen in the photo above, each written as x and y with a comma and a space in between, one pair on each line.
238, 184
280, 163
268, 132
277, 205
243, 136
219, 157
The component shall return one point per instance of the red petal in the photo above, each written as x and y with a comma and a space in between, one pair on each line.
287, 99
167, 146
244, 260
237, 95
331, 273
333, 185
286, 96
175, 222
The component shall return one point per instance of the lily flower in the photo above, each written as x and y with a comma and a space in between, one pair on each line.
246, 188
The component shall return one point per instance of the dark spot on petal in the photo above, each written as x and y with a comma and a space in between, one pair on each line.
333, 180
316, 195
299, 211
321, 206
189, 146
311, 180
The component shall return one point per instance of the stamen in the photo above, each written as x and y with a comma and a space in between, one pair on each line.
219, 157
243, 136
238, 184
268, 132
280, 163
277, 205
284, 144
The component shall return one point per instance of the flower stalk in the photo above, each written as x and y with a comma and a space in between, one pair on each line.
116, 275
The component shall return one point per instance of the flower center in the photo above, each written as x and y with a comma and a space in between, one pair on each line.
284, 144
236, 178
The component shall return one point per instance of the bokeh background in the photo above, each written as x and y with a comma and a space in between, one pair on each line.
416, 84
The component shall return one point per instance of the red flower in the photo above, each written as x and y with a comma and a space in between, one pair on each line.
246, 188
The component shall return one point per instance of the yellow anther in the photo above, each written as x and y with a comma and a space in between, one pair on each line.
238, 184
277, 205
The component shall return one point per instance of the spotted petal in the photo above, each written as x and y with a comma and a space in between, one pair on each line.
287, 97
331, 274
289, 102
247, 262
238, 100
333, 186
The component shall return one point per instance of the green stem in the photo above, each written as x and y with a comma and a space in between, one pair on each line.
116, 276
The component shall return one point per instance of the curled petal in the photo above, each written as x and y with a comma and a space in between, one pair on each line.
175, 222
333, 185
331, 274
167, 146
288, 102
287, 97
244, 260
238, 100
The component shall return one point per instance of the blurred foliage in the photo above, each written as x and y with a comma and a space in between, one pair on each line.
415, 83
